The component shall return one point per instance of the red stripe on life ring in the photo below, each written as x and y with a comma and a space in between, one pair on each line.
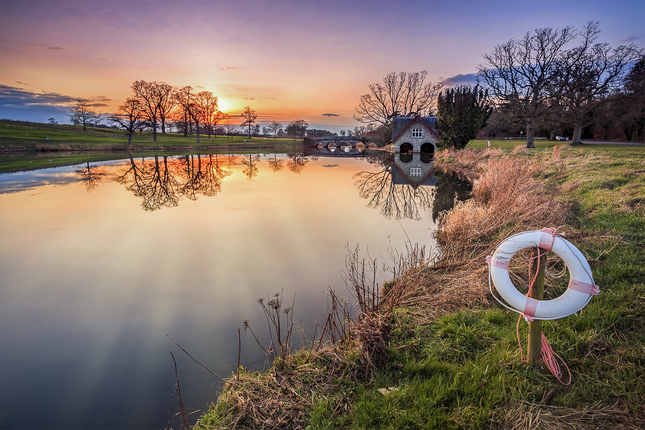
500, 263
584, 287
529, 307
547, 238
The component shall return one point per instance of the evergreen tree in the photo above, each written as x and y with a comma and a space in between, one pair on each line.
462, 112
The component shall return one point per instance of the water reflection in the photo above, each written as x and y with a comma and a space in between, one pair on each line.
164, 181
90, 176
251, 162
406, 185
275, 163
83, 323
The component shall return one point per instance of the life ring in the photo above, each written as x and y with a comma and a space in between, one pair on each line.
581, 284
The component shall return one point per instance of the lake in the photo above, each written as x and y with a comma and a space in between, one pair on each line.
101, 263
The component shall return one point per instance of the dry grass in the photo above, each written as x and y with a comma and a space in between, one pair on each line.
281, 397
527, 416
506, 199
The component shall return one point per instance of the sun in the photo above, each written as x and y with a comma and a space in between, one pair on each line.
224, 105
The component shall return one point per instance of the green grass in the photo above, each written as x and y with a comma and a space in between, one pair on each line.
28, 146
463, 370
68, 137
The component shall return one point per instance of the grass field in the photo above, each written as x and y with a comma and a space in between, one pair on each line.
36, 136
451, 360
28, 146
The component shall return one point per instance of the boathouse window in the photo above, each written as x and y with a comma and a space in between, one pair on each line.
416, 132
415, 171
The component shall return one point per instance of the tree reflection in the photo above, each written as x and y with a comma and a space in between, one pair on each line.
90, 177
132, 177
251, 162
297, 163
448, 189
163, 183
214, 173
275, 164
395, 200
162, 187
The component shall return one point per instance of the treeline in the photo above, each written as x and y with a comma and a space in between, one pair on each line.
541, 85
158, 106
538, 86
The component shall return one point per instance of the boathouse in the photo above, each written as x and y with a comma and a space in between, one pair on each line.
415, 134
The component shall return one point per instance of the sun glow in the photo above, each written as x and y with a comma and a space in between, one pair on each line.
224, 105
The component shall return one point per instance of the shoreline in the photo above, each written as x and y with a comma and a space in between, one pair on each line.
435, 335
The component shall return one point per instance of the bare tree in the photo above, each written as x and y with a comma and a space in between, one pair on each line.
297, 128
128, 117
165, 102
148, 96
521, 75
191, 106
206, 109
83, 114
216, 119
229, 128
591, 73
275, 128
400, 94
249, 116
631, 106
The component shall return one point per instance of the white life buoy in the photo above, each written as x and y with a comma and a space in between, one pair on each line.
581, 284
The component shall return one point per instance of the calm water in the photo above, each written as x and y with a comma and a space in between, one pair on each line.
100, 263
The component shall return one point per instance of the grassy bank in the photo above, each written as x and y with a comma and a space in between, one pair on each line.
29, 146
18, 136
433, 350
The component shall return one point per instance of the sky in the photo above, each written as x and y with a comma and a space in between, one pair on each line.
286, 59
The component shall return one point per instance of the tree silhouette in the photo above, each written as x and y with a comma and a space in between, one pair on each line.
249, 116
89, 177
83, 114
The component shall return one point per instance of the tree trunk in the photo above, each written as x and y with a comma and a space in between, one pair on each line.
154, 130
130, 138
196, 132
577, 133
530, 133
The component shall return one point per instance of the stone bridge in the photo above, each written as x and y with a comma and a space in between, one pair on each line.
339, 142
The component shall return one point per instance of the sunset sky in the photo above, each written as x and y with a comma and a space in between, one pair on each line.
287, 59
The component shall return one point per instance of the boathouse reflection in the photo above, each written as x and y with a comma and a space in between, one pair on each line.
408, 184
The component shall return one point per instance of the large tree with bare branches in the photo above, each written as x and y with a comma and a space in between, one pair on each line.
521, 75
590, 74
148, 95
249, 116
400, 94
188, 102
83, 114
128, 117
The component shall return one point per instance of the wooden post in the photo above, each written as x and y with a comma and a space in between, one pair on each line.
537, 293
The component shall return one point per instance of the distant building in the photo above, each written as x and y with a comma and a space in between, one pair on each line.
415, 134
